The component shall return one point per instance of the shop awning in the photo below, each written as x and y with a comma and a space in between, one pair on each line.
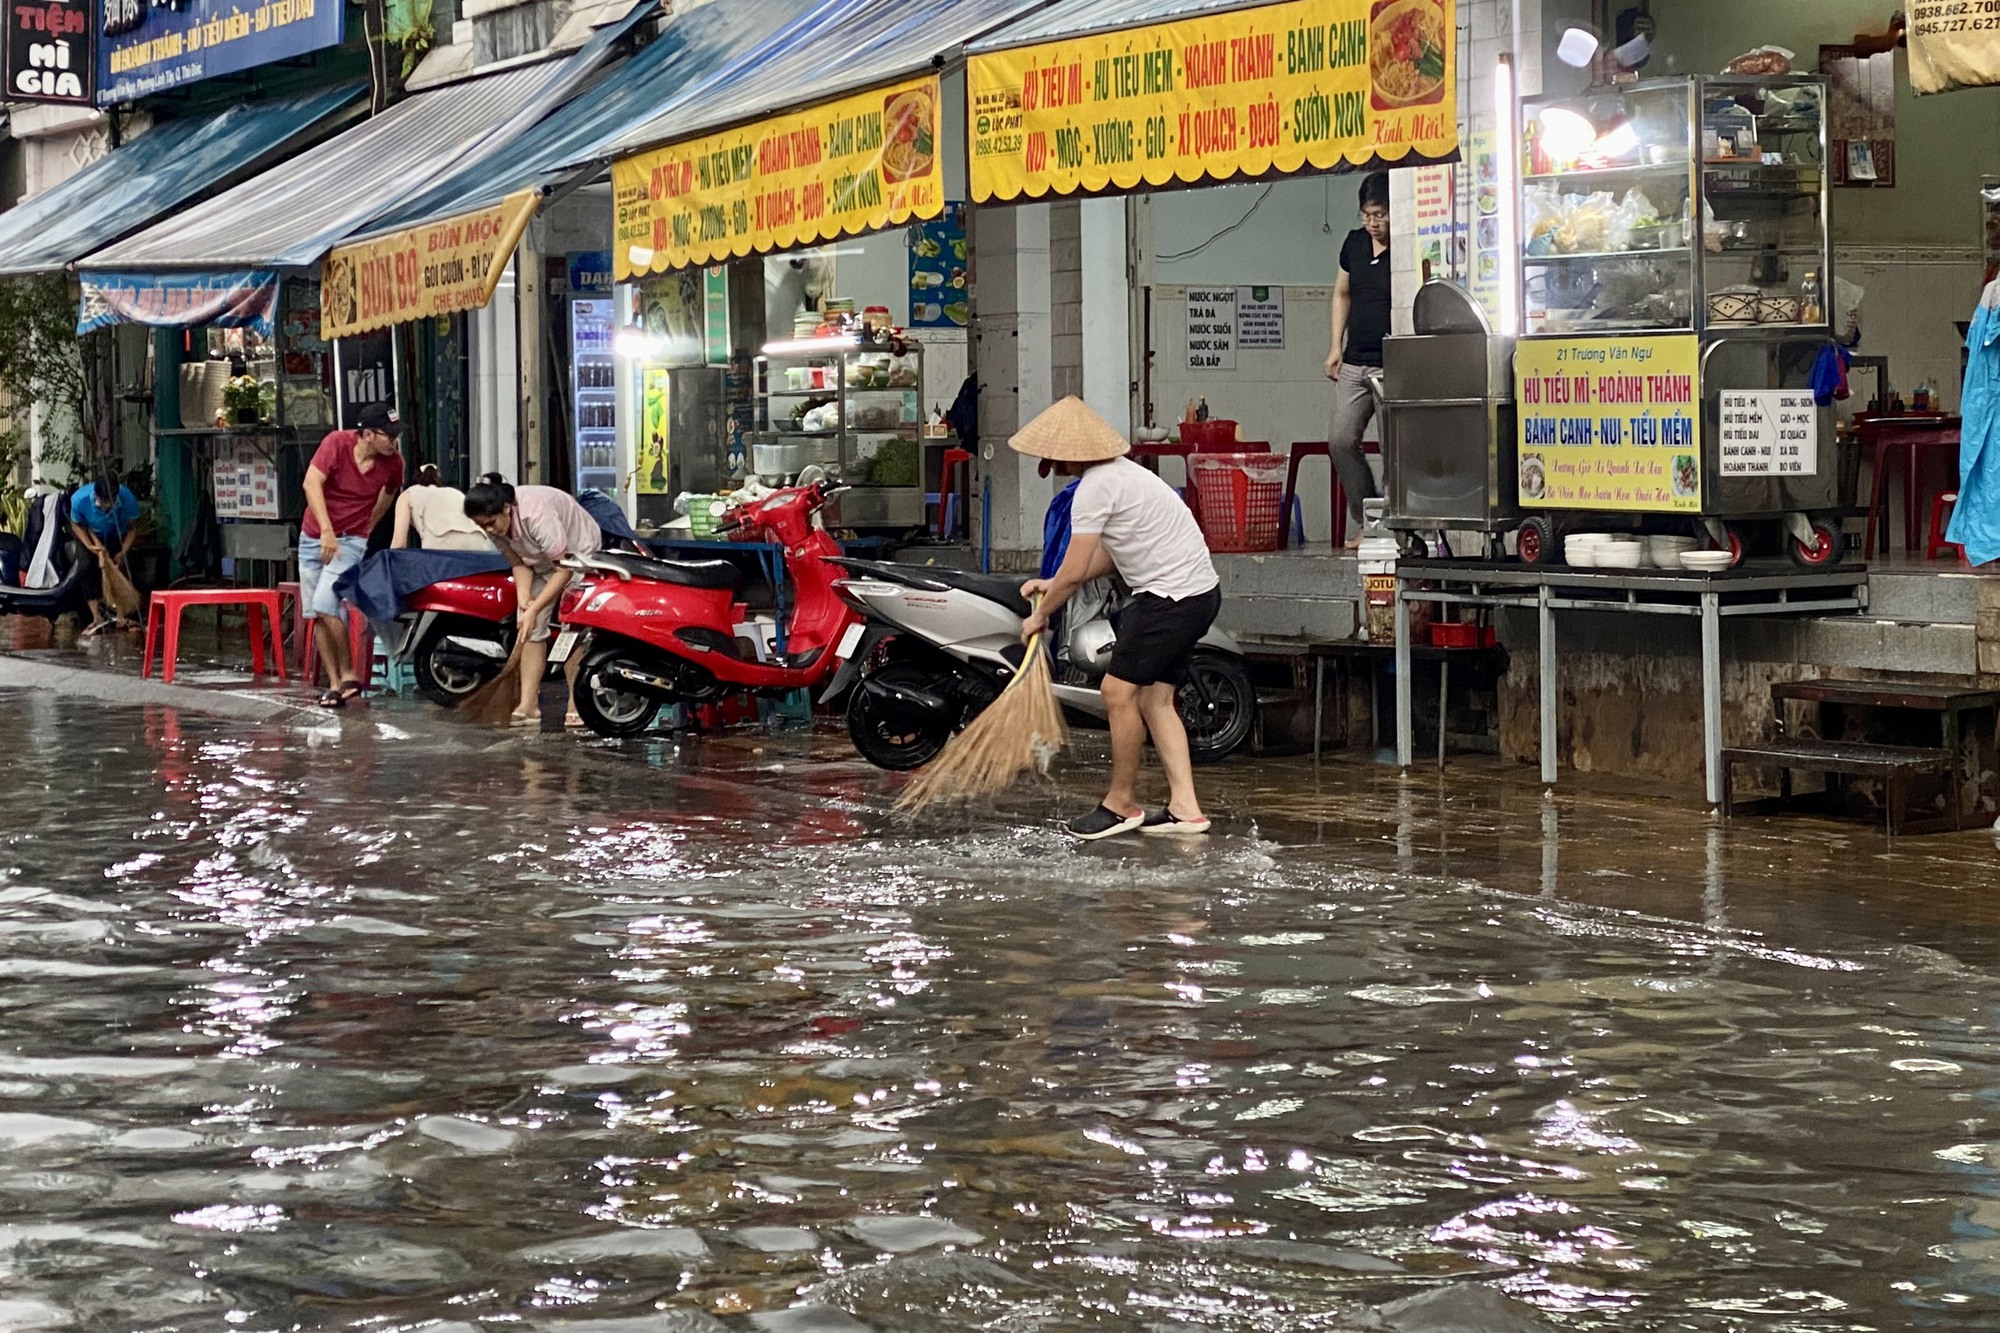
1110, 96
290, 216
156, 173
840, 46
837, 133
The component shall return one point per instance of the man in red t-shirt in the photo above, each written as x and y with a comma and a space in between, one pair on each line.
352, 481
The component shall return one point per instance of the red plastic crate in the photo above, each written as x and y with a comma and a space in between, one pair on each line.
1460, 634
1215, 433
1242, 500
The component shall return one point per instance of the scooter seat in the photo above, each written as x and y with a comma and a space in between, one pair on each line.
686, 573
1001, 588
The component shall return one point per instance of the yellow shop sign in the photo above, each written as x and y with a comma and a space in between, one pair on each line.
1610, 423
1314, 84
857, 164
434, 269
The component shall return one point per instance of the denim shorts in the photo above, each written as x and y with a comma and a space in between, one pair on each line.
316, 579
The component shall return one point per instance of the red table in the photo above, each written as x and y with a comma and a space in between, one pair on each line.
1915, 436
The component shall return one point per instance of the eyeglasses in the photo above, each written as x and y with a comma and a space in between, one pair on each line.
1373, 215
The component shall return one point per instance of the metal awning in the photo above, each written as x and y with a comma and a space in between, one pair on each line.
290, 216
839, 47
693, 47
156, 173
1075, 18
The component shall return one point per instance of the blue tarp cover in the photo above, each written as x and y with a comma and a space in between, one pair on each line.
379, 584
154, 174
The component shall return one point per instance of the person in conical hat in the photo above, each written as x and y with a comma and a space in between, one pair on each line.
1124, 519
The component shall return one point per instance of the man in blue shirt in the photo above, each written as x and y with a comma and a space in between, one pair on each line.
104, 514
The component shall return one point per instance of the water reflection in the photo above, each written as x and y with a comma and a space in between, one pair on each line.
400, 1024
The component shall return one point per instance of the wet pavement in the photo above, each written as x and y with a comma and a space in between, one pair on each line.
378, 1021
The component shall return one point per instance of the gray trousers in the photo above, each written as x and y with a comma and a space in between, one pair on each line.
1353, 409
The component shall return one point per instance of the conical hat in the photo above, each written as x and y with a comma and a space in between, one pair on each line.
1070, 432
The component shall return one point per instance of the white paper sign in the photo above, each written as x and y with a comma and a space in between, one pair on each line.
1769, 433
1260, 317
246, 481
1211, 328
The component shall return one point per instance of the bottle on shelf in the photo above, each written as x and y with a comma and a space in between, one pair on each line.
1920, 397
1810, 311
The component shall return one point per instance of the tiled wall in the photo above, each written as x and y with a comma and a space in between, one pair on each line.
1913, 296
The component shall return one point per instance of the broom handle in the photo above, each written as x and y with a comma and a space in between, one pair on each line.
1034, 646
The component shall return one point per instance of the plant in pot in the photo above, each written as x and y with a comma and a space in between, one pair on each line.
243, 399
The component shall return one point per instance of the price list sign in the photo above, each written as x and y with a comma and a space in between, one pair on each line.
1768, 433
1610, 423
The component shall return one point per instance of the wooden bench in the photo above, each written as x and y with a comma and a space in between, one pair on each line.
1892, 765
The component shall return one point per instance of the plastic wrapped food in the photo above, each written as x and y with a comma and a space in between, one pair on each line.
1761, 61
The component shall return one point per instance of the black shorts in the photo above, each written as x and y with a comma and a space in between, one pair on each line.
1156, 635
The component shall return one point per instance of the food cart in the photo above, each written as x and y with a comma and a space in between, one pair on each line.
1674, 268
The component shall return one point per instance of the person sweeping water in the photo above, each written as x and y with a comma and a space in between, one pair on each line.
1125, 520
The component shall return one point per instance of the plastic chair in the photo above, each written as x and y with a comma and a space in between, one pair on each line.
163, 625
957, 461
1945, 501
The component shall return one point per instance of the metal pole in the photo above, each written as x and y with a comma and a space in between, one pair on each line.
1444, 698
1319, 700
1406, 740
1548, 632
1711, 693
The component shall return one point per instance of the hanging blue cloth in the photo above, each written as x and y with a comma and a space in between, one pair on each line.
1829, 374
1055, 530
1975, 522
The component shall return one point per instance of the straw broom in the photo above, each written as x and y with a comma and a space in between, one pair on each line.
1020, 730
493, 704
118, 589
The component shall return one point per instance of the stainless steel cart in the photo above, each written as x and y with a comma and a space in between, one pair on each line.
1448, 437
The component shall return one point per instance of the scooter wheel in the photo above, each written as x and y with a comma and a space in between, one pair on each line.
1218, 706
887, 737
444, 676
608, 707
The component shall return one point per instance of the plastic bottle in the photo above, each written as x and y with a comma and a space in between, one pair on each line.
1809, 300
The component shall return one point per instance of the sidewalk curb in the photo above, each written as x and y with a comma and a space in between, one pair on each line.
119, 688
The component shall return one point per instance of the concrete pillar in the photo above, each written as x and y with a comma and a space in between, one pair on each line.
1109, 316
1012, 357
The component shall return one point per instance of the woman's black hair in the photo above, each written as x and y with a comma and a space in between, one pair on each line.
428, 475
1375, 189
488, 496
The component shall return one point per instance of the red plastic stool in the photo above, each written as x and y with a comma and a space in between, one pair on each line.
956, 462
1945, 500
163, 612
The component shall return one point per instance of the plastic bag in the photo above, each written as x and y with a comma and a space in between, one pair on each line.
1760, 61
1543, 210
1585, 225
1634, 225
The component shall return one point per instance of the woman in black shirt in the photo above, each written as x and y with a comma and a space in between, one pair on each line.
1360, 322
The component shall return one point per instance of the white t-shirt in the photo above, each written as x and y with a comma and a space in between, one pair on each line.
1152, 538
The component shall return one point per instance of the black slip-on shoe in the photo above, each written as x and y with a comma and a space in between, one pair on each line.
1103, 823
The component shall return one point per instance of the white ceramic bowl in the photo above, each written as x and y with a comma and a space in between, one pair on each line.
1706, 562
1619, 555
1579, 548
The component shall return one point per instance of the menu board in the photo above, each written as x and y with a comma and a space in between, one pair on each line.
1610, 423
1274, 88
1211, 328
246, 480
1767, 433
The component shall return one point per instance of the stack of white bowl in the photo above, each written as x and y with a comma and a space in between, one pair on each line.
1580, 548
1620, 551
1663, 551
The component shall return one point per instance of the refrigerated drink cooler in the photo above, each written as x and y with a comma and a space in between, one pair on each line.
595, 394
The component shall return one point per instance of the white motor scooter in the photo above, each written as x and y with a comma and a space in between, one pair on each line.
938, 645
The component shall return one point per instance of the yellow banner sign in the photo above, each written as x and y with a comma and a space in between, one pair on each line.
857, 164
1610, 423
429, 270
1283, 87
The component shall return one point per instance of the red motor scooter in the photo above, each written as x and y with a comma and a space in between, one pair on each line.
654, 632
457, 634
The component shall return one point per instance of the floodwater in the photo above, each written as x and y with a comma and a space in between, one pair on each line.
388, 1024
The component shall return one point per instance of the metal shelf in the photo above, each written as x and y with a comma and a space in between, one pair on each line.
829, 393
1679, 168
1529, 260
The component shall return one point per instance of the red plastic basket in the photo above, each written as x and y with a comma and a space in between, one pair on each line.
1215, 433
1242, 500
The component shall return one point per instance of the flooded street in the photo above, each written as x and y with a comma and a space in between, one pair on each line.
391, 1024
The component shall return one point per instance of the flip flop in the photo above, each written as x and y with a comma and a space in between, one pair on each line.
331, 699
574, 722
524, 719
350, 691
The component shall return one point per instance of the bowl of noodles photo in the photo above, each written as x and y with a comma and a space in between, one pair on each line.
1406, 53
909, 135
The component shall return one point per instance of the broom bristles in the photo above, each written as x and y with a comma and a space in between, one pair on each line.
1021, 730
493, 704
118, 589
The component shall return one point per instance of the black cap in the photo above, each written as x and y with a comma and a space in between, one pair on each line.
382, 419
